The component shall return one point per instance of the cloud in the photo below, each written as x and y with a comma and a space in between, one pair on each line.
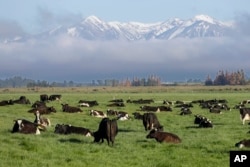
65, 58
10, 29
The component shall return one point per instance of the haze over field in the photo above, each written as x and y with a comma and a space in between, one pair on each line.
67, 47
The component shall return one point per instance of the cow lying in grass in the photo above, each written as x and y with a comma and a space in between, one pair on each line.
163, 137
26, 127
243, 143
69, 129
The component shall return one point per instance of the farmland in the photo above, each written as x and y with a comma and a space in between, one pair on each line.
199, 147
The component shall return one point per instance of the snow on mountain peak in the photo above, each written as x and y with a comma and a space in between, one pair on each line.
205, 18
93, 19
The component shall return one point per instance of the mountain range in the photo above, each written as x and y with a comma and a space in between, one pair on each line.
93, 28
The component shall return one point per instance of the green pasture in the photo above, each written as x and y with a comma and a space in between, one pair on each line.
199, 147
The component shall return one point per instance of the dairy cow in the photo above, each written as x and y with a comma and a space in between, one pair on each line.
243, 143
163, 136
108, 130
150, 121
26, 127
69, 129
245, 114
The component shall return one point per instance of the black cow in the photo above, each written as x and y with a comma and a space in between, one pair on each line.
150, 108
44, 98
22, 100
243, 143
26, 127
69, 129
108, 130
163, 136
150, 121
55, 97
141, 101
245, 114
6, 102
70, 109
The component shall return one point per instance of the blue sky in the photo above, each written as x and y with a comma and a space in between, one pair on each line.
28, 13
60, 59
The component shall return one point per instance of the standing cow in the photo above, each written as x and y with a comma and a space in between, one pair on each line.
108, 129
150, 121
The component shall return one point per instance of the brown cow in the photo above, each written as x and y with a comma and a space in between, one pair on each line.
163, 137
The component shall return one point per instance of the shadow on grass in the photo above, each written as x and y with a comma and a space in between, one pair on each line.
71, 140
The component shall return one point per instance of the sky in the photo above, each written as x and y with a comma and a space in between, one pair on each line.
67, 59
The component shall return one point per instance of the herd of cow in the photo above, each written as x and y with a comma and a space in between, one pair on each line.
108, 128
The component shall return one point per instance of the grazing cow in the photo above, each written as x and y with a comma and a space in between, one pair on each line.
163, 137
69, 129
70, 109
22, 100
150, 121
43, 110
243, 143
44, 98
41, 120
26, 127
108, 129
6, 102
55, 97
245, 114
91, 103
99, 114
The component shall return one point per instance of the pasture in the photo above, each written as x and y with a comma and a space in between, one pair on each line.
199, 147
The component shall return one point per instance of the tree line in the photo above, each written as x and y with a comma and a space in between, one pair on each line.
228, 78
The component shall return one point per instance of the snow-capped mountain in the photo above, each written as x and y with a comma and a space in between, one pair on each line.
93, 28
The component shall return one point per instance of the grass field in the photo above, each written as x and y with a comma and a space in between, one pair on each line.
199, 147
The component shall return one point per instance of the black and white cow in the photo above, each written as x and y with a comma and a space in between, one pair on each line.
245, 114
96, 113
243, 143
26, 127
69, 129
41, 120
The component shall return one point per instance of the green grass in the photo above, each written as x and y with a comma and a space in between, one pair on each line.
199, 147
